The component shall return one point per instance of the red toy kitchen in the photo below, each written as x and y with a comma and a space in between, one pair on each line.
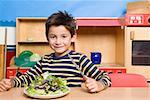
123, 42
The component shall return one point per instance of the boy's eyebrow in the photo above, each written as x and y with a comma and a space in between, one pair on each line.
51, 34
63, 34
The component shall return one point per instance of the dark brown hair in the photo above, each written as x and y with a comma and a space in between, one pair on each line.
61, 18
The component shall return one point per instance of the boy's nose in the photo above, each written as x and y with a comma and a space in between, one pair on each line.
58, 41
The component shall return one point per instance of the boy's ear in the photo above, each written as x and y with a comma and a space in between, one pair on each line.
74, 38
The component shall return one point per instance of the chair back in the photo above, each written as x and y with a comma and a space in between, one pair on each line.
128, 80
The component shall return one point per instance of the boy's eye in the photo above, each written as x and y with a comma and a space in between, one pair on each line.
64, 36
52, 36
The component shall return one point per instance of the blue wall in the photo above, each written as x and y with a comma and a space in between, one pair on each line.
10, 9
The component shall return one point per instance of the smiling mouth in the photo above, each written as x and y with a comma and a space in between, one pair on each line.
58, 47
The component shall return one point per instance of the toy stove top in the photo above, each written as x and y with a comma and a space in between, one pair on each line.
137, 19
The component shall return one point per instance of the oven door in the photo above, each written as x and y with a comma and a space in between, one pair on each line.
137, 50
141, 52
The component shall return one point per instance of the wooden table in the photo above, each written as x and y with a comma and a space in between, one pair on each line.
80, 94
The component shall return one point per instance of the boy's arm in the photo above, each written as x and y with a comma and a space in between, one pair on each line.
28, 76
104, 79
89, 69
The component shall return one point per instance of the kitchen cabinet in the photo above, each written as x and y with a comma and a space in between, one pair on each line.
104, 35
93, 35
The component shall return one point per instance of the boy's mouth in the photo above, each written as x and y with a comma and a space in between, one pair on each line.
58, 47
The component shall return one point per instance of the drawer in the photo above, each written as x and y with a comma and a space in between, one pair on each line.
12, 72
23, 70
114, 70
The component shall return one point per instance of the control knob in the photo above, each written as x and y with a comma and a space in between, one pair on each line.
149, 20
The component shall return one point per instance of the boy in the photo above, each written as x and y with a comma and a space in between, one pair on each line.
64, 63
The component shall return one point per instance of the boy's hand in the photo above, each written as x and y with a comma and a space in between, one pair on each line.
92, 85
5, 84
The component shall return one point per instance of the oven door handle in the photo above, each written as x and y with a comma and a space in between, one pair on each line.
132, 33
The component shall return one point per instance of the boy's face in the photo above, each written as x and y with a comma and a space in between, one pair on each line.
60, 39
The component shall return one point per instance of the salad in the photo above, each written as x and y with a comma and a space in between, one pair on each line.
47, 85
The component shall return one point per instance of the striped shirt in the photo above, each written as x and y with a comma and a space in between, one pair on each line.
65, 68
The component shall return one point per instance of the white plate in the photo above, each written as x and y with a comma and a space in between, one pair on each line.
47, 96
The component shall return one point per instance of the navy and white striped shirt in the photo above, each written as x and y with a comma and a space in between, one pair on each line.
64, 67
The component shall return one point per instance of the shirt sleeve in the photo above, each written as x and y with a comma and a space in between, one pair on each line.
90, 70
29, 76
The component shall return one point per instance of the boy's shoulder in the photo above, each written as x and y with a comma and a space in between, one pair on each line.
48, 56
75, 53
72, 53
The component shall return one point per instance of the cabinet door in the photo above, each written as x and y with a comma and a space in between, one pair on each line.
138, 33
